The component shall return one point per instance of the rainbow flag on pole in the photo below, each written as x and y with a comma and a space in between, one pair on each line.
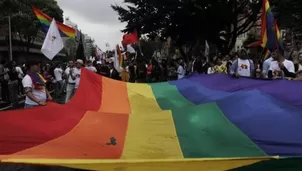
270, 30
202, 122
45, 21
270, 33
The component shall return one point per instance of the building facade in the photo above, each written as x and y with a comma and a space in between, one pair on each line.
88, 42
21, 49
88, 45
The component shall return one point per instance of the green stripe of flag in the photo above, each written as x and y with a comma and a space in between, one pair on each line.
203, 130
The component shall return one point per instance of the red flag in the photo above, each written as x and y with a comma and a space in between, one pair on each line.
130, 38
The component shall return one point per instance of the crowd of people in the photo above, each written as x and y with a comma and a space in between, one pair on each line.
241, 64
39, 82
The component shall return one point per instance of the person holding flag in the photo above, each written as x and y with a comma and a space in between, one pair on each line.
281, 68
35, 86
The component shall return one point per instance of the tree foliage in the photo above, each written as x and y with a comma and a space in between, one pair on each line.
148, 47
190, 21
24, 24
288, 12
251, 38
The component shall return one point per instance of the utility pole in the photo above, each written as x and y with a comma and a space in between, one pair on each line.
10, 39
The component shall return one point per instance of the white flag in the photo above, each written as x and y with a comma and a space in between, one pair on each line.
53, 42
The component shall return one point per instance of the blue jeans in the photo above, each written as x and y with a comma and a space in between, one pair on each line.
70, 89
27, 106
59, 88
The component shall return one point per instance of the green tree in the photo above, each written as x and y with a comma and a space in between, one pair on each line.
188, 22
251, 38
25, 25
289, 16
149, 46
288, 12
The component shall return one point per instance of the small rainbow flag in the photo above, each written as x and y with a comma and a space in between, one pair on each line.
270, 34
45, 21
279, 40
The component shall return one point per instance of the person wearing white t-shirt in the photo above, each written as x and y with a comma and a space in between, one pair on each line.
299, 70
243, 66
77, 72
58, 72
90, 67
211, 69
266, 65
20, 77
35, 87
181, 72
281, 68
70, 87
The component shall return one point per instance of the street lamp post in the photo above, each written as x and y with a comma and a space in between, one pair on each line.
10, 39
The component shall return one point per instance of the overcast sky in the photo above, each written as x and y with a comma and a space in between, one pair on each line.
95, 18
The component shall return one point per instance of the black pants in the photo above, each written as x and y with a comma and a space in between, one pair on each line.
4, 90
20, 87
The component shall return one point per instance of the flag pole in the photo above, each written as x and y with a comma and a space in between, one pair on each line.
10, 39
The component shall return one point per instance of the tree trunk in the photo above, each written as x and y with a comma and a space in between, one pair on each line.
234, 33
231, 44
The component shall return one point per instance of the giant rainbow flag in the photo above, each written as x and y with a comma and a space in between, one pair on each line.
45, 21
209, 123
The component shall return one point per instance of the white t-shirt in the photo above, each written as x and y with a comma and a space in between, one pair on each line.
266, 66
67, 71
20, 72
77, 74
277, 72
244, 67
91, 68
181, 72
211, 70
39, 94
58, 74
